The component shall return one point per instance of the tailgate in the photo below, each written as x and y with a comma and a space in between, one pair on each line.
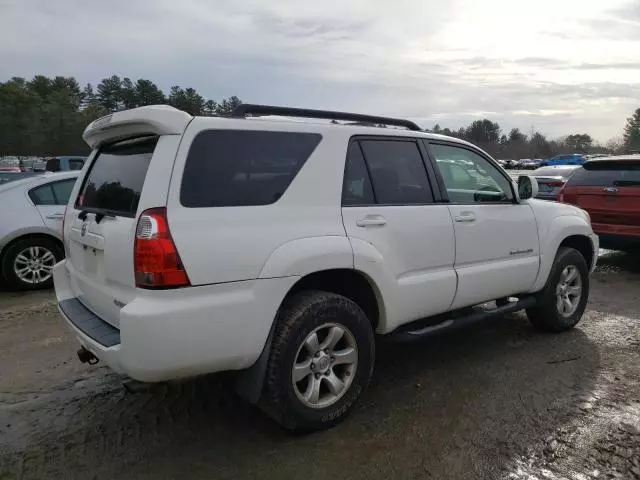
101, 222
616, 205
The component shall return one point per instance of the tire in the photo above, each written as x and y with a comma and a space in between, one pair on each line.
547, 315
301, 316
46, 250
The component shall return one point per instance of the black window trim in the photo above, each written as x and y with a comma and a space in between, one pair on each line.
92, 158
53, 192
477, 151
431, 179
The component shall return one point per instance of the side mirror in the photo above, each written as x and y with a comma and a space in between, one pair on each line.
527, 187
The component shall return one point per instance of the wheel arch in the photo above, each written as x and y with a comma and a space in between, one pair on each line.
564, 231
351, 283
28, 235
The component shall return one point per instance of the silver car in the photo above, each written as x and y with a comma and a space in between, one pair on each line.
551, 179
31, 228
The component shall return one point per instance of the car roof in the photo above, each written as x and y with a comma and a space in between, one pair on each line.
165, 120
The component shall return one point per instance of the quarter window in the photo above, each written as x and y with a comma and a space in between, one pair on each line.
228, 168
469, 177
56, 193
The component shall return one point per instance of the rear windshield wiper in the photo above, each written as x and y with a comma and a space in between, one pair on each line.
98, 215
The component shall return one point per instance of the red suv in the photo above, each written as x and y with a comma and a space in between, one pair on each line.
609, 189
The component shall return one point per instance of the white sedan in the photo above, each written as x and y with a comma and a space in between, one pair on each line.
31, 228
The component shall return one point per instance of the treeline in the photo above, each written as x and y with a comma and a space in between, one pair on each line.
46, 116
515, 144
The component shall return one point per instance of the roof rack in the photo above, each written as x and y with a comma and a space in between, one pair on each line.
251, 109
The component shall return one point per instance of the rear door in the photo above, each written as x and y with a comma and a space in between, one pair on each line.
50, 199
610, 191
388, 204
102, 223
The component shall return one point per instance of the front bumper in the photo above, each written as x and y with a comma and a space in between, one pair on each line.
171, 334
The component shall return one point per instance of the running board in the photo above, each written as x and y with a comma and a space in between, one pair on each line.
424, 328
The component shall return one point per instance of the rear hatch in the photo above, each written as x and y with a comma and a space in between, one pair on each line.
610, 191
129, 172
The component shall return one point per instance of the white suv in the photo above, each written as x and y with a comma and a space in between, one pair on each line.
280, 249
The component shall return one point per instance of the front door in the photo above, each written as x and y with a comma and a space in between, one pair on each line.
497, 246
400, 237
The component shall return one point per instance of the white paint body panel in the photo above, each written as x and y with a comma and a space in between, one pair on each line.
242, 261
410, 258
497, 251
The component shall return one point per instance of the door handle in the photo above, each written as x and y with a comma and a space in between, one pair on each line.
372, 221
465, 217
55, 216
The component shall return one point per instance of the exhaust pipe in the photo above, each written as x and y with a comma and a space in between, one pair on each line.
85, 356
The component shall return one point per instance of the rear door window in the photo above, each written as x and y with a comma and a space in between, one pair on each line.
114, 182
227, 168
397, 171
357, 188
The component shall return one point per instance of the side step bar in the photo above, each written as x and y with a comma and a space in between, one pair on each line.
425, 328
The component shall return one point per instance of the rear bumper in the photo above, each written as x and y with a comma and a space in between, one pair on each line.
170, 334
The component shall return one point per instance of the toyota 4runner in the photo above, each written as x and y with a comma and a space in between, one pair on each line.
281, 249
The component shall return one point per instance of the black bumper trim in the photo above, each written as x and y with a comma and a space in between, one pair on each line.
90, 324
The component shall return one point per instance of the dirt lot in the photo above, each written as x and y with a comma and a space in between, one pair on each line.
494, 401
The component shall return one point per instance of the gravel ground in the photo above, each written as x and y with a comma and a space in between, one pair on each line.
497, 400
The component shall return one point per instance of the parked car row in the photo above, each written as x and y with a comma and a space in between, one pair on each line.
522, 164
533, 163
47, 164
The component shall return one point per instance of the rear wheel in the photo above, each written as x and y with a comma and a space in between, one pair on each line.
27, 264
321, 360
564, 298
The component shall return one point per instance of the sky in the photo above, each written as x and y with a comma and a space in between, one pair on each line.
559, 66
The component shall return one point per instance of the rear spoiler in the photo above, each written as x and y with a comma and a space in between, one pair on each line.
150, 120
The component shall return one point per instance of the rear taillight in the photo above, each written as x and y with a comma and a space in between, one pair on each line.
556, 184
560, 196
156, 259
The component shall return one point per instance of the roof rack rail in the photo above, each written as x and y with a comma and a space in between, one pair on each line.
251, 109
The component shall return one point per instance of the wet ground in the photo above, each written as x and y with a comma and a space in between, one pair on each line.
497, 400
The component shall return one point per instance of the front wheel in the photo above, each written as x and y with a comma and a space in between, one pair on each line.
321, 360
564, 298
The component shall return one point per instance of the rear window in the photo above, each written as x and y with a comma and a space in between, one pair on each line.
115, 179
227, 168
617, 174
